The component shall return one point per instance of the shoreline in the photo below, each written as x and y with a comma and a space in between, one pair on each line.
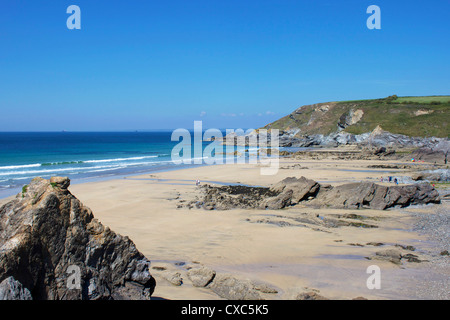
7, 193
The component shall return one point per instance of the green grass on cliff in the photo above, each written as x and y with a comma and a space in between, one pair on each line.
424, 100
411, 116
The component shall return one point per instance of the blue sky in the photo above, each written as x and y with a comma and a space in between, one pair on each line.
233, 64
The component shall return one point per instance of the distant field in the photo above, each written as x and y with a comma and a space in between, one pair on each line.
430, 99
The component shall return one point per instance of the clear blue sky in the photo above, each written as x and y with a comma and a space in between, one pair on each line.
146, 64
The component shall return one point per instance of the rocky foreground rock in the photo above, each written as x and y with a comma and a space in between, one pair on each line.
51, 247
292, 191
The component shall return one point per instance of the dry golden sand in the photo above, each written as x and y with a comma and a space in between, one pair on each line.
288, 258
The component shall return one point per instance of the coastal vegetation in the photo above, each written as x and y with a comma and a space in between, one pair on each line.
425, 116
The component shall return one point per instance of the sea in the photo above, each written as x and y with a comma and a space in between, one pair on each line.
82, 156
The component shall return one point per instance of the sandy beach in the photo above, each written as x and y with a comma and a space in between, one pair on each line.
270, 247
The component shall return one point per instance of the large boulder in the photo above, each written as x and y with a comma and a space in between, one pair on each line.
231, 197
292, 191
282, 200
374, 196
438, 153
201, 276
231, 288
441, 175
52, 247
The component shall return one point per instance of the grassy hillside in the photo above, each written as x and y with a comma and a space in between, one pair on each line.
411, 116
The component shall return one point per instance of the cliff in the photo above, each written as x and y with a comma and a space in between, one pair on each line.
408, 116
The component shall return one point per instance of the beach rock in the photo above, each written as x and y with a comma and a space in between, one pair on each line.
391, 255
231, 288
292, 191
311, 295
264, 288
440, 175
380, 151
437, 153
11, 289
231, 197
281, 201
173, 277
396, 257
60, 182
411, 258
301, 188
53, 247
409, 248
201, 276
375, 244
371, 195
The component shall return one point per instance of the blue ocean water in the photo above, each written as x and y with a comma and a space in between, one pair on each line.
81, 155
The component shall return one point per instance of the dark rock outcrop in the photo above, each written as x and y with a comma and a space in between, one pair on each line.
374, 196
438, 153
396, 256
292, 191
52, 247
441, 175
299, 189
229, 197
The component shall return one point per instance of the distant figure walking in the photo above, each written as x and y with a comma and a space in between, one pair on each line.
197, 182
395, 181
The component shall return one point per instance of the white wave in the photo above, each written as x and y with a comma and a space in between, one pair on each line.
21, 166
159, 162
119, 159
103, 170
109, 166
54, 170
201, 158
